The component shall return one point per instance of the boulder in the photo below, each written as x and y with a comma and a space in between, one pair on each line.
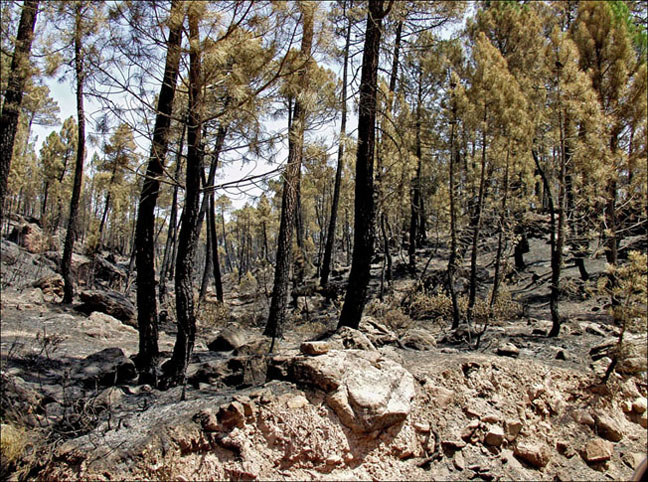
377, 332
106, 367
228, 339
315, 347
349, 338
508, 349
110, 302
10, 251
29, 236
50, 285
366, 390
534, 453
597, 450
106, 271
419, 339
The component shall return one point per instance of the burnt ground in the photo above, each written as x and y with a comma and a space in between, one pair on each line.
135, 431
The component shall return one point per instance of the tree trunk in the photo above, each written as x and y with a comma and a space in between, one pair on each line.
147, 316
500, 234
218, 283
453, 226
356, 295
283, 259
475, 223
330, 237
18, 74
70, 237
176, 368
167, 259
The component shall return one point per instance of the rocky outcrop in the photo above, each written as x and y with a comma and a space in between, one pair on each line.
110, 302
367, 391
106, 367
29, 236
228, 339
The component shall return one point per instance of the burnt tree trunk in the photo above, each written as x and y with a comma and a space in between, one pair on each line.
176, 368
18, 74
284, 257
70, 237
330, 237
147, 316
363, 237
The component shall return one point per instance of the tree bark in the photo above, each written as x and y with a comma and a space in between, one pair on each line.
176, 368
70, 237
284, 257
18, 74
218, 283
356, 295
330, 237
453, 226
147, 316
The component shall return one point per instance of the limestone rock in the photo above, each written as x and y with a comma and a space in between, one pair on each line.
315, 347
50, 285
228, 339
597, 450
639, 405
419, 339
106, 367
495, 436
110, 302
608, 428
29, 236
534, 453
377, 332
349, 338
508, 349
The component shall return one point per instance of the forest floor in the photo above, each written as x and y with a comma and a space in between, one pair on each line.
521, 406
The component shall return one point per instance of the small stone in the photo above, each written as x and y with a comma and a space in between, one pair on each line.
626, 406
561, 355
508, 349
490, 418
643, 420
633, 459
458, 461
535, 454
422, 427
207, 420
471, 412
597, 450
594, 330
513, 428
315, 347
297, 402
442, 396
231, 415
453, 444
583, 417
639, 405
333, 460
608, 428
469, 430
495, 436
539, 332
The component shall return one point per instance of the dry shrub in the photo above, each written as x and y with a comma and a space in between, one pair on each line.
213, 315
12, 446
425, 307
396, 320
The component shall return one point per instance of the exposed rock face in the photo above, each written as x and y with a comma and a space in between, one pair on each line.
50, 285
106, 367
367, 391
228, 339
29, 236
109, 302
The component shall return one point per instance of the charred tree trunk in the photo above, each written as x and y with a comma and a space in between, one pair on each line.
218, 283
330, 237
475, 223
18, 74
147, 316
176, 368
168, 259
356, 295
70, 237
453, 225
500, 234
283, 259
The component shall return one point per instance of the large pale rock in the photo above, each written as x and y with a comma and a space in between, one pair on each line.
534, 453
110, 302
106, 367
597, 450
367, 391
228, 339
419, 339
